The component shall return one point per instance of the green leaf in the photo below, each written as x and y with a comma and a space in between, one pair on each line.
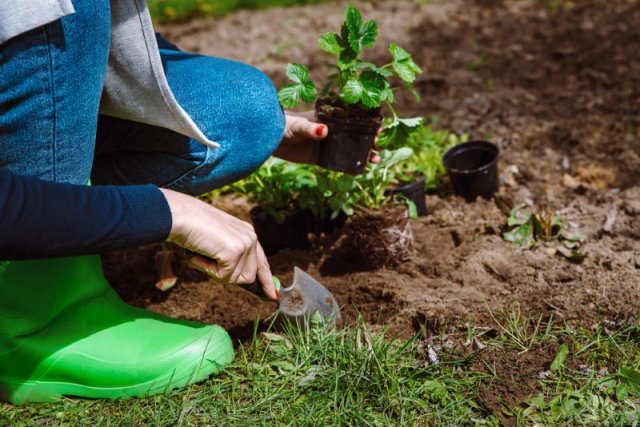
359, 34
521, 235
289, 96
403, 64
352, 92
297, 73
561, 357
302, 89
519, 216
387, 95
330, 43
369, 33
372, 86
391, 157
384, 72
397, 133
413, 209
348, 55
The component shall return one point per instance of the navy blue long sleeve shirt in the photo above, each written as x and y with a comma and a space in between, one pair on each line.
40, 219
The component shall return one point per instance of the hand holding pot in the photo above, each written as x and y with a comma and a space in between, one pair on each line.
228, 247
301, 138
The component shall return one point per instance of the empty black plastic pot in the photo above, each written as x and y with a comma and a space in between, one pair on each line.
292, 233
346, 148
413, 191
473, 169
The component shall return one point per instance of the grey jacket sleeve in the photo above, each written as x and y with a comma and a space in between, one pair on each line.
135, 87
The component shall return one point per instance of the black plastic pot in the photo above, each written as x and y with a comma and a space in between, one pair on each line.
413, 191
325, 225
274, 236
473, 169
347, 146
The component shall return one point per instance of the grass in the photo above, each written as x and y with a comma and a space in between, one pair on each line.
321, 377
181, 10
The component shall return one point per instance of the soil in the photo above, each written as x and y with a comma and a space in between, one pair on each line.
516, 377
380, 238
337, 110
559, 92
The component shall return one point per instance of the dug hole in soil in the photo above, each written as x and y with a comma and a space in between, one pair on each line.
558, 92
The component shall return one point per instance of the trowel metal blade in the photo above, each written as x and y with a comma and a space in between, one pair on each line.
306, 297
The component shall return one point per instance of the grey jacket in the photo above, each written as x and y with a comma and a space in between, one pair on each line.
135, 86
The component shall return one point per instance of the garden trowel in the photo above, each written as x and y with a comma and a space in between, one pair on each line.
302, 300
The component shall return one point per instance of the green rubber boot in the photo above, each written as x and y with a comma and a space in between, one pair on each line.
65, 332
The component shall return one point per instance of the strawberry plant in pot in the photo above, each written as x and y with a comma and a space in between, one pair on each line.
278, 219
350, 103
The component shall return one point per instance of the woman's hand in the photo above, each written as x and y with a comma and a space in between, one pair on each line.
228, 247
301, 138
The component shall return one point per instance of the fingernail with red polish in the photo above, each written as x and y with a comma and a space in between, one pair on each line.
319, 130
277, 294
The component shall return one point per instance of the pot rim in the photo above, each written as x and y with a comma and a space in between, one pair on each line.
470, 146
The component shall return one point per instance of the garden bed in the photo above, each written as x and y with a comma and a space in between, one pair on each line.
558, 91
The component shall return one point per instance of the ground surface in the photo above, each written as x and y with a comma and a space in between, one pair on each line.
558, 91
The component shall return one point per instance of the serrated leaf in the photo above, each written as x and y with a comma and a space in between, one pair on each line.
411, 122
369, 33
372, 86
384, 72
297, 73
330, 43
352, 91
348, 55
561, 357
387, 96
403, 64
308, 92
289, 96
359, 34
396, 133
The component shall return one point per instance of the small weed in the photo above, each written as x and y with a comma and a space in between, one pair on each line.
527, 229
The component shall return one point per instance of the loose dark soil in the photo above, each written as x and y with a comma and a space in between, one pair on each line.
337, 110
379, 238
559, 92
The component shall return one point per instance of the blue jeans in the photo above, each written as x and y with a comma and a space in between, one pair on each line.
51, 79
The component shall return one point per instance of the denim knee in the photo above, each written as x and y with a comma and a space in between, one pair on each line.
236, 105
264, 119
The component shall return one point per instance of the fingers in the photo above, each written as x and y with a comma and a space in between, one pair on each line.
264, 275
317, 131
